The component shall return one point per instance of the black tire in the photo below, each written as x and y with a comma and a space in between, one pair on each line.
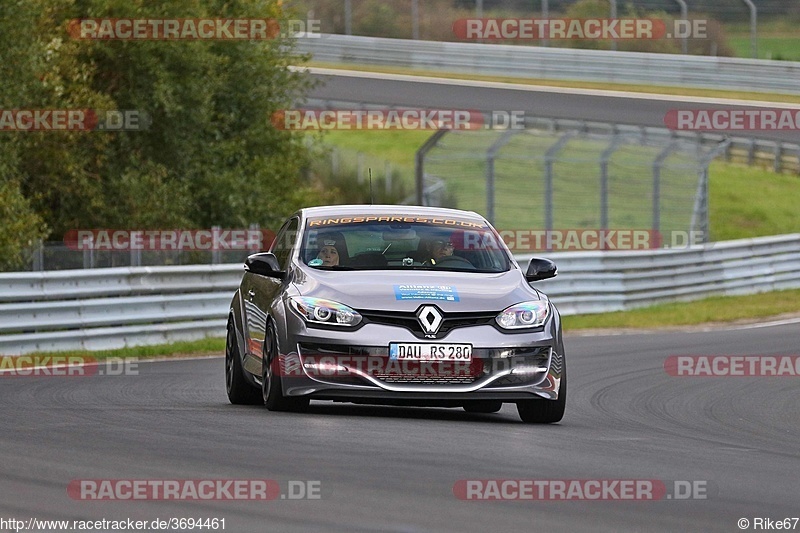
271, 388
484, 406
545, 411
240, 392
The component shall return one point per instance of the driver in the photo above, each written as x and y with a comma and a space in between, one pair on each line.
435, 249
332, 250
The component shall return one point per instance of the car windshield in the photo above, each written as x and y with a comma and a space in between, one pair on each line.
373, 242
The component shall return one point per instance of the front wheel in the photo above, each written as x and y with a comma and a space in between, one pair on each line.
271, 388
545, 411
240, 392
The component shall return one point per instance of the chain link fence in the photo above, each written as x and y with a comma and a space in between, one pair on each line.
554, 177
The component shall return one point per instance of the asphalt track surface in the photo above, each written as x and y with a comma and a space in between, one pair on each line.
393, 469
602, 106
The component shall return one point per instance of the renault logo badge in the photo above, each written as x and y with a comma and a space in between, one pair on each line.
430, 318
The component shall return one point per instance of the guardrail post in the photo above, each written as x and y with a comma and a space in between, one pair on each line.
419, 161
348, 17
778, 152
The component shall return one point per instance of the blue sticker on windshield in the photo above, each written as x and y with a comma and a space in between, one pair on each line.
315, 262
446, 293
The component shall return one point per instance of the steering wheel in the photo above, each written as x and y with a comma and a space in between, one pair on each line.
455, 261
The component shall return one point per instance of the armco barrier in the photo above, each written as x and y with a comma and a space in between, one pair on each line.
535, 62
118, 307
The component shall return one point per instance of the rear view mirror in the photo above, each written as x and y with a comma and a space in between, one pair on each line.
539, 269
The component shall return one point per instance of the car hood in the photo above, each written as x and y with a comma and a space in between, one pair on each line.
406, 291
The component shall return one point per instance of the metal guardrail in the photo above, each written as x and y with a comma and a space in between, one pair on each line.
726, 73
599, 282
118, 307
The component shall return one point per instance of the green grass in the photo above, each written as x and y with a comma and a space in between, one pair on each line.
716, 309
752, 202
208, 346
786, 48
776, 39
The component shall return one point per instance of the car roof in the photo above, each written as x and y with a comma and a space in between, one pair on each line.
414, 210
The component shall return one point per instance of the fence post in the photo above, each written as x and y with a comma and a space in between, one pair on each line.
490, 157
136, 253
612, 16
216, 254
658, 163
387, 172
415, 19
684, 17
38, 256
549, 159
88, 254
419, 161
604, 158
543, 40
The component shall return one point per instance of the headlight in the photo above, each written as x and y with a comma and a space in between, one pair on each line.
524, 315
319, 311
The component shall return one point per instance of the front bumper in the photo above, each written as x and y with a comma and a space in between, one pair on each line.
355, 366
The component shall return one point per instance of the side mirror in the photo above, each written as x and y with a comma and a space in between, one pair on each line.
264, 264
539, 269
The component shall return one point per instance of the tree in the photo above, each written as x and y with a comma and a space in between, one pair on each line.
210, 155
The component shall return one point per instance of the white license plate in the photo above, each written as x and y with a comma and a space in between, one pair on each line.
419, 351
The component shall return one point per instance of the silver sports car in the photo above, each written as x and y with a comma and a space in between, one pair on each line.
395, 305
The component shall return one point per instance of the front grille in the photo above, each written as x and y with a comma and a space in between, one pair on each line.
408, 320
425, 380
